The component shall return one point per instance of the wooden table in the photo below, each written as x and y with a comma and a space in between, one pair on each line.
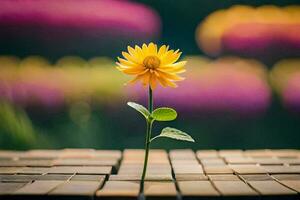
177, 174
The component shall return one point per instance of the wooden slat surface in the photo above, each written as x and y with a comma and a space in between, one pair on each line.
119, 189
293, 184
177, 174
271, 188
10, 187
160, 190
80, 188
197, 188
234, 188
38, 188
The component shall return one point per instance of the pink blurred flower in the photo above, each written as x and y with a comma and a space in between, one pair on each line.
31, 94
264, 41
291, 93
218, 89
80, 25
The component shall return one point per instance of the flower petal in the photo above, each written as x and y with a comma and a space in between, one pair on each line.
162, 50
152, 49
171, 58
145, 49
170, 76
146, 78
131, 51
152, 81
128, 67
173, 68
130, 58
139, 52
127, 63
131, 70
134, 80
166, 82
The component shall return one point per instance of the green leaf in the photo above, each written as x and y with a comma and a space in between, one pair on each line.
164, 114
174, 134
139, 108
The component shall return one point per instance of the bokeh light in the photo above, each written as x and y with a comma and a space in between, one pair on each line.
268, 32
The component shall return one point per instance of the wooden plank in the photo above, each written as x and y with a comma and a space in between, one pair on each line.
108, 154
286, 176
188, 169
34, 170
240, 160
268, 161
185, 162
248, 169
76, 188
84, 177
285, 153
137, 155
207, 154
119, 190
190, 177
234, 188
41, 153
26, 163
256, 177
152, 160
291, 161
28, 178
271, 188
294, 184
231, 153
282, 169
152, 169
38, 188
7, 188
197, 189
56, 177
224, 177
212, 161
258, 153
10, 170
149, 177
85, 162
77, 153
160, 190
8, 154
182, 154
80, 170
218, 169
18, 178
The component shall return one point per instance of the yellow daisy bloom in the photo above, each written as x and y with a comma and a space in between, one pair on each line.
151, 65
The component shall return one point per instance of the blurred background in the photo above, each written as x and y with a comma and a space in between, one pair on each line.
59, 86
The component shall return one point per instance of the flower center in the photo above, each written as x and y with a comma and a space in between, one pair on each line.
151, 62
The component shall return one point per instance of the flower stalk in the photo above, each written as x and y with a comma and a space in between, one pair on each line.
147, 138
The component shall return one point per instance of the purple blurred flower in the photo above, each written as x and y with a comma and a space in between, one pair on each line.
31, 94
269, 42
217, 89
81, 25
291, 93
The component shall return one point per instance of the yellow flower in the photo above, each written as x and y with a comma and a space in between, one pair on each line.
151, 65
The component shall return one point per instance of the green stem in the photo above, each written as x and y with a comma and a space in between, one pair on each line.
147, 139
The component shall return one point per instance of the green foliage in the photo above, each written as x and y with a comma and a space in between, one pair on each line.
139, 108
15, 127
174, 133
164, 114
